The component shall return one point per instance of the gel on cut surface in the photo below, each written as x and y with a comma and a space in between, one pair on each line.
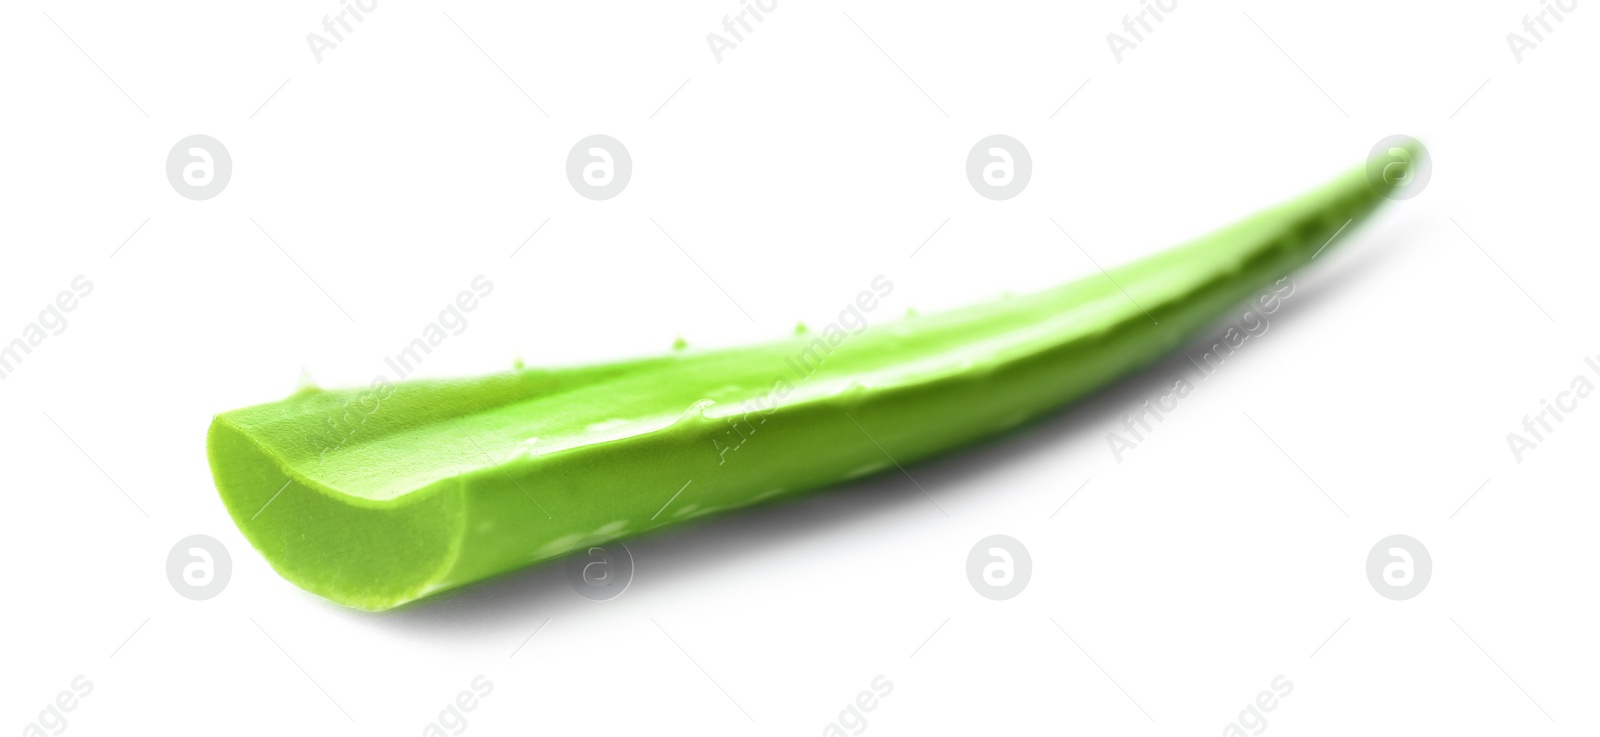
437, 484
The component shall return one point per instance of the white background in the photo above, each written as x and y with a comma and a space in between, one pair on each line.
1180, 581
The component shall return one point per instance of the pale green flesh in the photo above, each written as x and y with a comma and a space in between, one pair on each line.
447, 482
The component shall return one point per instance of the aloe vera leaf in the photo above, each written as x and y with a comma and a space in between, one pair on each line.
441, 483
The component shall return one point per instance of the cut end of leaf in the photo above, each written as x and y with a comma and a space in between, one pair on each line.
363, 554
